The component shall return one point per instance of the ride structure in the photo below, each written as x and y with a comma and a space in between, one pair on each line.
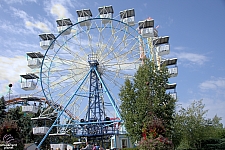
83, 68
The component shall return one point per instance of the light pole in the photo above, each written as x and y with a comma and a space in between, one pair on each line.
10, 86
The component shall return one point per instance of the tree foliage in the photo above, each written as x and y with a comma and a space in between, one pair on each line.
144, 100
193, 129
10, 134
23, 121
2, 109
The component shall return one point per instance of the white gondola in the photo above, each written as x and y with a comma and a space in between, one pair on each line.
173, 71
172, 86
172, 66
127, 16
47, 41
147, 28
63, 24
30, 109
28, 81
162, 45
173, 95
163, 49
106, 12
34, 59
61, 146
83, 15
42, 130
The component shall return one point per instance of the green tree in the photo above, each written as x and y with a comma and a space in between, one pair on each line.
23, 121
144, 100
193, 128
2, 109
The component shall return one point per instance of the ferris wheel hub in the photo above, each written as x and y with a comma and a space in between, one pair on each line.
93, 60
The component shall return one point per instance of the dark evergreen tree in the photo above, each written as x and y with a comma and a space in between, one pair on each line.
2, 110
144, 101
23, 121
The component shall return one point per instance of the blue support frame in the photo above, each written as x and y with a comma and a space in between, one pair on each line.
95, 113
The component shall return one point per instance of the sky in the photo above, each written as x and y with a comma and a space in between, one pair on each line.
196, 31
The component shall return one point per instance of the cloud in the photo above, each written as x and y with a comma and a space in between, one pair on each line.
11, 69
170, 21
145, 5
19, 13
59, 10
7, 27
192, 57
180, 48
30, 22
13, 47
39, 25
213, 84
18, 1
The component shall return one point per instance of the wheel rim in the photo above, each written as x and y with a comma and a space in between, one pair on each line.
116, 46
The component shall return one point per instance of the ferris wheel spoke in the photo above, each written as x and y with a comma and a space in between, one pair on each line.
123, 66
113, 39
57, 80
119, 53
73, 54
102, 38
60, 96
89, 41
110, 77
77, 41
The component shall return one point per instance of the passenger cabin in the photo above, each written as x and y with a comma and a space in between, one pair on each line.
127, 16
106, 12
47, 41
63, 26
173, 95
55, 145
34, 59
83, 16
29, 81
146, 28
30, 109
39, 125
61, 146
162, 45
172, 66
171, 88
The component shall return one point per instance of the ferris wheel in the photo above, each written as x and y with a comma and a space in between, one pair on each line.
88, 63
85, 66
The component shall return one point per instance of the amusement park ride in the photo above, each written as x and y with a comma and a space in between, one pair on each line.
83, 68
